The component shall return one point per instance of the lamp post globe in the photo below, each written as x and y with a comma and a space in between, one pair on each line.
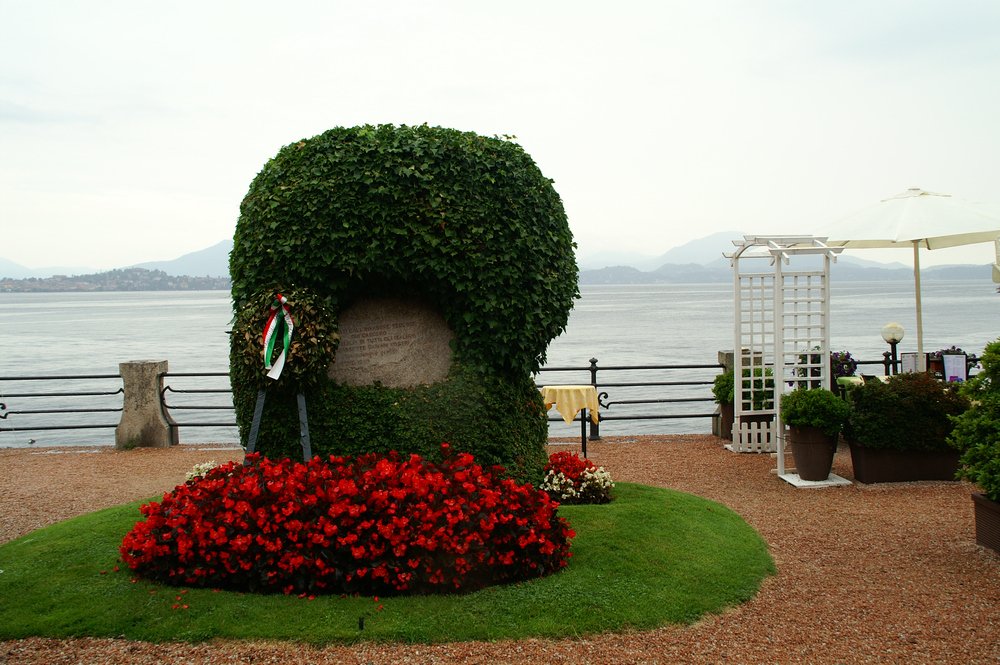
892, 333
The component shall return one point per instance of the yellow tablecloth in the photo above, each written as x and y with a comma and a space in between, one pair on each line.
570, 399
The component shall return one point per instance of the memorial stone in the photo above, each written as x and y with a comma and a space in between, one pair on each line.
398, 343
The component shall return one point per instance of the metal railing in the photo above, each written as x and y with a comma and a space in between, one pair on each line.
197, 399
631, 394
54, 406
185, 405
693, 386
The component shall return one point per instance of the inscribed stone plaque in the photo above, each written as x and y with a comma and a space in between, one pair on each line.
398, 343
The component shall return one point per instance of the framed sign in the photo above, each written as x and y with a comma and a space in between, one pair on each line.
911, 362
955, 367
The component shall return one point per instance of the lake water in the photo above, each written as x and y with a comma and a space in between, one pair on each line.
90, 333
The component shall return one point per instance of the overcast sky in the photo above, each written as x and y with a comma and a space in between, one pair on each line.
130, 131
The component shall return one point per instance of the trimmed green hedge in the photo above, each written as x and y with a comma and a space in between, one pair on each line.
464, 222
499, 420
910, 412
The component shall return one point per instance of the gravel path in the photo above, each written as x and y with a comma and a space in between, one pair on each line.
866, 574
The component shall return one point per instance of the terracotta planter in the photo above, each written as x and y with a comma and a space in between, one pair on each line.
880, 465
987, 522
812, 451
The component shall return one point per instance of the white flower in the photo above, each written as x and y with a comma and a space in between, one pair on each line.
199, 470
594, 486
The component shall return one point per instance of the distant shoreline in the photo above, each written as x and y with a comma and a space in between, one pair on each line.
125, 279
142, 279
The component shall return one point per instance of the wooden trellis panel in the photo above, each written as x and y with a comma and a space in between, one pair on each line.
753, 409
781, 334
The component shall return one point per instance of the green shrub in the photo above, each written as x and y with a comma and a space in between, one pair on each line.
722, 388
977, 436
977, 430
500, 420
909, 412
468, 225
761, 395
815, 407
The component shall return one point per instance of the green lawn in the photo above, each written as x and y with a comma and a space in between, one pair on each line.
652, 557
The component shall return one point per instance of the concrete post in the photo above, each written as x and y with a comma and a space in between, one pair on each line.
143, 422
728, 359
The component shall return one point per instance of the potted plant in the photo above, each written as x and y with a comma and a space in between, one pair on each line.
898, 430
759, 396
842, 364
814, 417
977, 437
722, 390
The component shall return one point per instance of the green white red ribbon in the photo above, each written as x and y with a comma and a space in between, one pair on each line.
279, 324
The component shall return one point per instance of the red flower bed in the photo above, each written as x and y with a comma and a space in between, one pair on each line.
569, 464
372, 524
572, 479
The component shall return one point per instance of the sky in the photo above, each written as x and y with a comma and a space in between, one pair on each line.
131, 130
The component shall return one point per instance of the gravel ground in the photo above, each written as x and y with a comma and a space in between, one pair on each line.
866, 574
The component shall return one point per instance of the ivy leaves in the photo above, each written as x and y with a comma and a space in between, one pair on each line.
468, 221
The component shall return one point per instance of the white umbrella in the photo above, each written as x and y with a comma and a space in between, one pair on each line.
916, 219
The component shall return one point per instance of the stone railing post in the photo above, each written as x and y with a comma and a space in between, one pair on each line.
143, 423
727, 359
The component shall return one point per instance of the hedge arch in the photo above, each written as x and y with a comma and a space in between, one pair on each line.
464, 222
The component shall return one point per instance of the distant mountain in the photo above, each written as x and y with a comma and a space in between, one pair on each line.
870, 264
844, 270
669, 273
702, 261
14, 270
11, 270
610, 259
210, 262
697, 261
702, 251
614, 275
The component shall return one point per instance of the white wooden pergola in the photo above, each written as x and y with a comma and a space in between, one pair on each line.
781, 334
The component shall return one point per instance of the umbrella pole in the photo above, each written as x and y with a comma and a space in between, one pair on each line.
916, 281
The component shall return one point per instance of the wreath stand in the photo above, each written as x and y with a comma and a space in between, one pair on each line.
258, 411
279, 327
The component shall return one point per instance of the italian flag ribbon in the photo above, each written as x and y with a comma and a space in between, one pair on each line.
279, 324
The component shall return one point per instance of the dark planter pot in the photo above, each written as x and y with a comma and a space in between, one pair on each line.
987, 522
812, 451
879, 465
726, 421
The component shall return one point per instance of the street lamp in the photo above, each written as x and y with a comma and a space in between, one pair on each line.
892, 333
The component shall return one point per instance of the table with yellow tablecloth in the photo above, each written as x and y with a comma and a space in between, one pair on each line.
571, 400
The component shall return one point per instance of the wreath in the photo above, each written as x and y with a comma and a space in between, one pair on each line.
285, 336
